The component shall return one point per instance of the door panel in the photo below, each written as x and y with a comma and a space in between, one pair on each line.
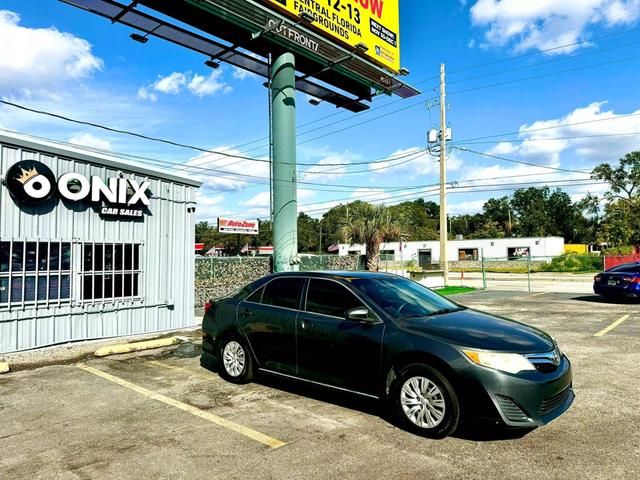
334, 350
268, 319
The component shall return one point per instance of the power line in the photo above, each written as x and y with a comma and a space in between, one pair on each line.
550, 139
497, 157
554, 127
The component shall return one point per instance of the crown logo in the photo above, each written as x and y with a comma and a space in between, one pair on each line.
27, 175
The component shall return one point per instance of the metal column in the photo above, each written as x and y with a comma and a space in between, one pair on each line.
284, 181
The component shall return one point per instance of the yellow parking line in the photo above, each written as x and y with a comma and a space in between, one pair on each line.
229, 425
612, 326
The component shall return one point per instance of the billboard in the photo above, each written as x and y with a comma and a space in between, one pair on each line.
242, 227
376, 23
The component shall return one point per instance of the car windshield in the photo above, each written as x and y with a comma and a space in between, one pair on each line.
402, 298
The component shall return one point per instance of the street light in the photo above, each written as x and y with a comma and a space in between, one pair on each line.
136, 37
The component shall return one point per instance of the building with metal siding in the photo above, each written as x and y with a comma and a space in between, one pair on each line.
83, 269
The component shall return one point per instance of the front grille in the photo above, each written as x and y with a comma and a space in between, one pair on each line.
550, 404
546, 362
510, 410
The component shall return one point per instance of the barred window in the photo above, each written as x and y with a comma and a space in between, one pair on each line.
110, 271
34, 272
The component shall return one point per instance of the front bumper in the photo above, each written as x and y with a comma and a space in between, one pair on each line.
528, 399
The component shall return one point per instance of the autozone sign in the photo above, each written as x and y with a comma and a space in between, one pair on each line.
232, 225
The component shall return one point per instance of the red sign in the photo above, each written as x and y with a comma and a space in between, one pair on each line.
199, 247
244, 227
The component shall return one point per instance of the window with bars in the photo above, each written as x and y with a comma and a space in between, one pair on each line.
110, 271
34, 272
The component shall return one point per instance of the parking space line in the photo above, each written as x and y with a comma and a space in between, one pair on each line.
229, 425
539, 294
612, 326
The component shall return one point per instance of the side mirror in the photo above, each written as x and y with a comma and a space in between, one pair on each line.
360, 314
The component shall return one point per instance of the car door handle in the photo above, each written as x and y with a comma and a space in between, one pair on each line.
305, 325
246, 313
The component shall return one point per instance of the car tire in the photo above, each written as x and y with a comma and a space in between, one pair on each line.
236, 363
424, 401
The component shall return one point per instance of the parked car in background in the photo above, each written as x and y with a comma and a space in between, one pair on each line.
386, 337
621, 281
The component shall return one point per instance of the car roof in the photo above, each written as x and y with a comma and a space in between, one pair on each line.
336, 274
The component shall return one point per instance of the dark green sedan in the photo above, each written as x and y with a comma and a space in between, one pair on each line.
383, 336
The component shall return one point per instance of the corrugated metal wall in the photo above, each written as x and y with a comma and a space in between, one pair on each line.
167, 235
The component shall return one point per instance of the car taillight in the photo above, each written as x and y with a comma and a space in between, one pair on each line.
632, 279
597, 278
208, 306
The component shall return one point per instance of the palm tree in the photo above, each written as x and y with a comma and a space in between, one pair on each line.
371, 225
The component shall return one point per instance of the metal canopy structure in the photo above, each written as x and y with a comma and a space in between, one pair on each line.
127, 15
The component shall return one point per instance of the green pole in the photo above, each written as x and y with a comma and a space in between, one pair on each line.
283, 133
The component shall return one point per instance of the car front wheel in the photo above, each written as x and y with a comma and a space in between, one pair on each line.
235, 360
425, 402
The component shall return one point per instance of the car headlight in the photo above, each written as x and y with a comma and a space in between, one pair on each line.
506, 362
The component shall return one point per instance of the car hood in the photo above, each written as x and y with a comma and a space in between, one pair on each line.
473, 329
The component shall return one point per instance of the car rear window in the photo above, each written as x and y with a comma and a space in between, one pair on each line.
626, 269
283, 292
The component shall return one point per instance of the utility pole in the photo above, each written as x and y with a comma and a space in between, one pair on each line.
444, 233
320, 242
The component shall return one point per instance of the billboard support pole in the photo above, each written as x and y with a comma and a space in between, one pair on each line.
284, 177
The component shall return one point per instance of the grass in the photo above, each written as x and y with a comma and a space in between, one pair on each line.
446, 291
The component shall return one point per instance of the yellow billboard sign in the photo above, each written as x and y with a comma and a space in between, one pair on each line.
375, 23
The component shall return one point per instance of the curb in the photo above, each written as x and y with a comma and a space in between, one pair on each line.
4, 368
136, 346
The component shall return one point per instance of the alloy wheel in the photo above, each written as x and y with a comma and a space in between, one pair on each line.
422, 402
233, 358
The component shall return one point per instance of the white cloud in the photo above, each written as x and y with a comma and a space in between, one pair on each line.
88, 140
592, 122
41, 57
145, 94
330, 167
465, 207
241, 74
544, 24
232, 170
414, 160
171, 84
202, 86
262, 199
177, 82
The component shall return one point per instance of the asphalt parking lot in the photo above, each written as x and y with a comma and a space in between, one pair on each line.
159, 415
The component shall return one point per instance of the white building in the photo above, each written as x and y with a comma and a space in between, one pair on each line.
428, 252
91, 246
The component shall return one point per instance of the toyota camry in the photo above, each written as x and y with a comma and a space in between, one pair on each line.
377, 335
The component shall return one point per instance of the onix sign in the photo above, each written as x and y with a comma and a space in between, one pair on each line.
32, 183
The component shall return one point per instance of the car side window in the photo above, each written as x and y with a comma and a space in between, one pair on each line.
283, 292
330, 298
255, 297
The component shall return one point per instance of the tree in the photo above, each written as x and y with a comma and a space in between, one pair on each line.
308, 233
622, 220
371, 225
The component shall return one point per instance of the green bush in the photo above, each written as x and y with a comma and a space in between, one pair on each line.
574, 263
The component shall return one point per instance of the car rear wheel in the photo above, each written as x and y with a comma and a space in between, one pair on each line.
425, 402
236, 365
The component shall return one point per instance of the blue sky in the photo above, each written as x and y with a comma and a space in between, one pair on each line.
58, 58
